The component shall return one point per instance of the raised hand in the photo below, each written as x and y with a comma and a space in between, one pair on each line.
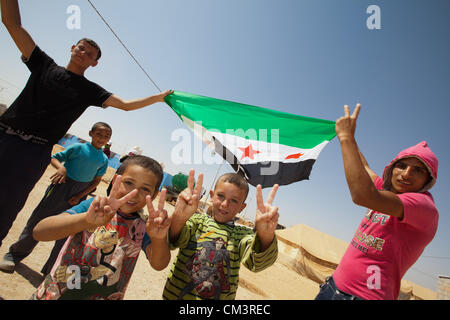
102, 209
346, 125
162, 95
187, 202
266, 215
158, 222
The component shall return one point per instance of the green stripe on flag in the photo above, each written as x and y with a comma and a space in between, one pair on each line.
244, 120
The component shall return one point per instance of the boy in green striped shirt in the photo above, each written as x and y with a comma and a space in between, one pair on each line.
212, 248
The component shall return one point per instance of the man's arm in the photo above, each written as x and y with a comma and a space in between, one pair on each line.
360, 184
129, 105
11, 20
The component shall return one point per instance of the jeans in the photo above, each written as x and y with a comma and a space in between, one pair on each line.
329, 291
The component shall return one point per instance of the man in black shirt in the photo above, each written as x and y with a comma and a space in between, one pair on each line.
53, 98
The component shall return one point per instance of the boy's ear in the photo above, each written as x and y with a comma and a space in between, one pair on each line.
242, 207
94, 63
211, 193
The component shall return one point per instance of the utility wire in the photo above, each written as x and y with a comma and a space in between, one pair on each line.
129, 52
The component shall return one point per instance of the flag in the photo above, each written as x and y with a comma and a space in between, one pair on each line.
266, 146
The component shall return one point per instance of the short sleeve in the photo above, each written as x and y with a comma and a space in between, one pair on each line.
378, 183
419, 210
83, 206
98, 95
67, 154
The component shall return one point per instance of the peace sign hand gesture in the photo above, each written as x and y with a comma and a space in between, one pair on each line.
346, 125
266, 216
158, 222
187, 202
102, 209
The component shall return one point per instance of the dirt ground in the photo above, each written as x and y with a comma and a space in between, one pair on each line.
145, 283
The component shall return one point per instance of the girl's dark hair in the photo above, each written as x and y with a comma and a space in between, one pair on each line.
147, 163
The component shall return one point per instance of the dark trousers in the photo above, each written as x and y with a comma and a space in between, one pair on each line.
22, 163
55, 201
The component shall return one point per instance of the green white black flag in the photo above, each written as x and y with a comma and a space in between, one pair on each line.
265, 146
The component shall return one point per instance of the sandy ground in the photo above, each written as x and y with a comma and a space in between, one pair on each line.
146, 283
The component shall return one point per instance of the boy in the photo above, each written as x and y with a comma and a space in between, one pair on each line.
53, 98
106, 235
212, 248
84, 166
400, 222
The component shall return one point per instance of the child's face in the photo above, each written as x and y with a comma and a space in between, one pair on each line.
227, 201
100, 136
137, 177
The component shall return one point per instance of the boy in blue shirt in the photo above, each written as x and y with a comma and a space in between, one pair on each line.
84, 166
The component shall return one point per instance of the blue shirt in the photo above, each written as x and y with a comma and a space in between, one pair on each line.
83, 162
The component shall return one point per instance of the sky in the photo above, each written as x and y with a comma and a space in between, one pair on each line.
307, 57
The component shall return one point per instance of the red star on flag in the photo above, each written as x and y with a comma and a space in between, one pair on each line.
248, 152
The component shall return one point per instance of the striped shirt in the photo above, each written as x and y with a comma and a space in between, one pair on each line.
208, 262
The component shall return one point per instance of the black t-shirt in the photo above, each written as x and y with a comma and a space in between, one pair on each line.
52, 99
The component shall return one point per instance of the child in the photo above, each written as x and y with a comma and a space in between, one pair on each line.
106, 235
212, 248
53, 98
84, 166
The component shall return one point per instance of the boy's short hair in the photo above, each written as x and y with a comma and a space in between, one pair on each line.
100, 124
235, 179
94, 44
146, 163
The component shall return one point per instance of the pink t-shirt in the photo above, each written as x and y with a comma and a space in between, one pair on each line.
385, 247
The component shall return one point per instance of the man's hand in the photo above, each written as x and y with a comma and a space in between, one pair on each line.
187, 202
266, 217
162, 95
158, 222
102, 209
346, 125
